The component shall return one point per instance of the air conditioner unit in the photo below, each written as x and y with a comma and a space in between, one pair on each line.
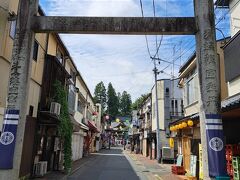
40, 168
167, 153
55, 108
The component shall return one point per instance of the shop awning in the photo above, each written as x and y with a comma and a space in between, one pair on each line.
77, 125
192, 117
92, 126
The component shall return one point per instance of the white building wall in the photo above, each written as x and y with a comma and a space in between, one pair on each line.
77, 145
234, 16
164, 101
234, 86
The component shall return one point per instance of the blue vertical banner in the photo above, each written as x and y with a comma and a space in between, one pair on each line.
8, 138
215, 144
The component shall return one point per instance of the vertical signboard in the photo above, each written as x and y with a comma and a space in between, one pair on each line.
8, 138
200, 163
215, 144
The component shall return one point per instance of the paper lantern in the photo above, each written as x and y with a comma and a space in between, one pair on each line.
180, 126
177, 126
95, 113
117, 120
171, 128
184, 124
190, 123
107, 117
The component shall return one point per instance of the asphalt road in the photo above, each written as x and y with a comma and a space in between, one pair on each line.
107, 165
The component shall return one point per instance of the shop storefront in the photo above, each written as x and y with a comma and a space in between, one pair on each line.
186, 132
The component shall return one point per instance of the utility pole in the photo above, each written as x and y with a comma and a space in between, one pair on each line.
155, 70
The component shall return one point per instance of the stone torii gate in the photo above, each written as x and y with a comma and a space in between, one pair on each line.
202, 25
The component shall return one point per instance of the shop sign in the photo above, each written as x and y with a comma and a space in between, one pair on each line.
215, 145
200, 162
8, 138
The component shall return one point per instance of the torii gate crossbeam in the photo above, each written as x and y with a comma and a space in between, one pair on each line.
115, 25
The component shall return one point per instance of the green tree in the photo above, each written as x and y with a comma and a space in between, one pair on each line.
100, 95
125, 104
112, 101
118, 102
139, 101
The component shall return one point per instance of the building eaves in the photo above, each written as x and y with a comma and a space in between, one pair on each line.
193, 117
230, 103
232, 39
188, 62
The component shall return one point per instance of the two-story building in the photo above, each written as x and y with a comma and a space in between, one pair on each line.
145, 126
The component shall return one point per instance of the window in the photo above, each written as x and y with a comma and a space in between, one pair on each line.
172, 107
167, 91
80, 107
12, 31
35, 50
59, 56
30, 113
71, 98
191, 90
176, 106
182, 110
73, 76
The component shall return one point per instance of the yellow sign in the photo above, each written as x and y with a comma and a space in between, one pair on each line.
200, 162
171, 142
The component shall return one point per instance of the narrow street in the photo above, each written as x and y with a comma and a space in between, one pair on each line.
107, 164
119, 165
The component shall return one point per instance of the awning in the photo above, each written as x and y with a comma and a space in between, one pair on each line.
231, 103
77, 125
83, 126
194, 117
92, 126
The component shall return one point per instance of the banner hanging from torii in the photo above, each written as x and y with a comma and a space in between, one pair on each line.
215, 144
8, 138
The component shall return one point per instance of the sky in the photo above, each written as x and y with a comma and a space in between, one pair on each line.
124, 60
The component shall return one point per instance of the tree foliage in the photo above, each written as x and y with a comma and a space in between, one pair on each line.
138, 102
125, 104
115, 104
100, 95
112, 101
